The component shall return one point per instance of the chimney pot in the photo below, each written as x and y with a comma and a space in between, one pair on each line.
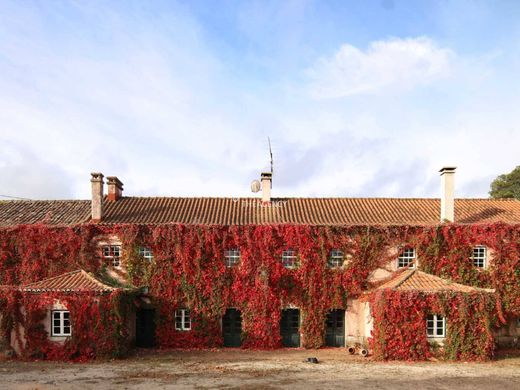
97, 196
448, 194
115, 188
266, 178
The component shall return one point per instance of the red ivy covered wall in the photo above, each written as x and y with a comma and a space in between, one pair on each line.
399, 324
100, 324
189, 271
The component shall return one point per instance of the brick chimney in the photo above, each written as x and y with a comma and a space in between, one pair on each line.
448, 194
266, 178
97, 196
115, 188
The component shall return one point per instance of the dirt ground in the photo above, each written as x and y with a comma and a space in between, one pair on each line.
241, 369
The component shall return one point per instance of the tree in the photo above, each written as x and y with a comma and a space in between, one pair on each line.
507, 185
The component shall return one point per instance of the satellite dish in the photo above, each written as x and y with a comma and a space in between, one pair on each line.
255, 186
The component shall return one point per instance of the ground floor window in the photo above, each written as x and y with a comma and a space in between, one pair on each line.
61, 323
436, 326
182, 319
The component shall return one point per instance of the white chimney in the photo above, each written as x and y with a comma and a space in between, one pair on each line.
448, 194
97, 196
266, 179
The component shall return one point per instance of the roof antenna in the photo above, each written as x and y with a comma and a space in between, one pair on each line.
256, 186
270, 153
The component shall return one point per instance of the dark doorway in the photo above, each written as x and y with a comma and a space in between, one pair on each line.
335, 330
145, 328
290, 327
232, 328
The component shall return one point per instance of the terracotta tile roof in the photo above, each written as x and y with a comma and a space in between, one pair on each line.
75, 281
54, 212
245, 211
414, 280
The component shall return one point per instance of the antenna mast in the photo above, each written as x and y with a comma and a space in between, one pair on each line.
270, 153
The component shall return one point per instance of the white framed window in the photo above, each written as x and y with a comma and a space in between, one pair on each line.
435, 326
289, 258
336, 258
182, 319
407, 258
113, 254
146, 253
232, 257
479, 256
60, 323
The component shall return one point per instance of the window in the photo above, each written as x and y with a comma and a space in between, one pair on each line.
60, 323
113, 253
479, 256
182, 319
232, 257
406, 258
435, 326
335, 258
289, 258
146, 253
518, 322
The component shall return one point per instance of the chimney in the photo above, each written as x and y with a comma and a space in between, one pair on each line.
115, 188
266, 178
97, 196
448, 194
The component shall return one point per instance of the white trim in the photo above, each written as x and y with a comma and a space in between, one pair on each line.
110, 254
407, 259
481, 257
336, 258
432, 323
289, 258
183, 316
146, 253
59, 321
232, 257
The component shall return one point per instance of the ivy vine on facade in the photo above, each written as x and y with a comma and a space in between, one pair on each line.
408, 278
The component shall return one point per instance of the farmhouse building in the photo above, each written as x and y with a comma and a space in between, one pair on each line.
407, 278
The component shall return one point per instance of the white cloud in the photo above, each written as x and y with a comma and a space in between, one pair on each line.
393, 64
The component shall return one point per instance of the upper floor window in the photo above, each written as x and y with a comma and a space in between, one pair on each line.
479, 256
182, 319
113, 253
335, 259
60, 323
232, 257
435, 325
146, 253
407, 258
289, 258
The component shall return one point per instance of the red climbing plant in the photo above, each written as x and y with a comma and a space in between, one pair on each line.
188, 271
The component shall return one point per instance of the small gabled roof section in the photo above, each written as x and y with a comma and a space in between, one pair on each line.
75, 281
415, 280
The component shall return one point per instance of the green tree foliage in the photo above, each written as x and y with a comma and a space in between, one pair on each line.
507, 185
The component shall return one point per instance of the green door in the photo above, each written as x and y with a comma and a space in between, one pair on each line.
335, 329
290, 327
232, 328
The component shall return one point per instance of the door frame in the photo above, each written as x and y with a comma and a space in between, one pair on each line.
299, 325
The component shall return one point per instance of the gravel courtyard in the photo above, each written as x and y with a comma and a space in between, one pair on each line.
240, 369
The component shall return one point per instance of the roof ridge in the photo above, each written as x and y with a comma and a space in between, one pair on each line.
95, 280
410, 271
452, 283
52, 277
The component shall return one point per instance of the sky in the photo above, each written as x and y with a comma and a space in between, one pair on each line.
358, 98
